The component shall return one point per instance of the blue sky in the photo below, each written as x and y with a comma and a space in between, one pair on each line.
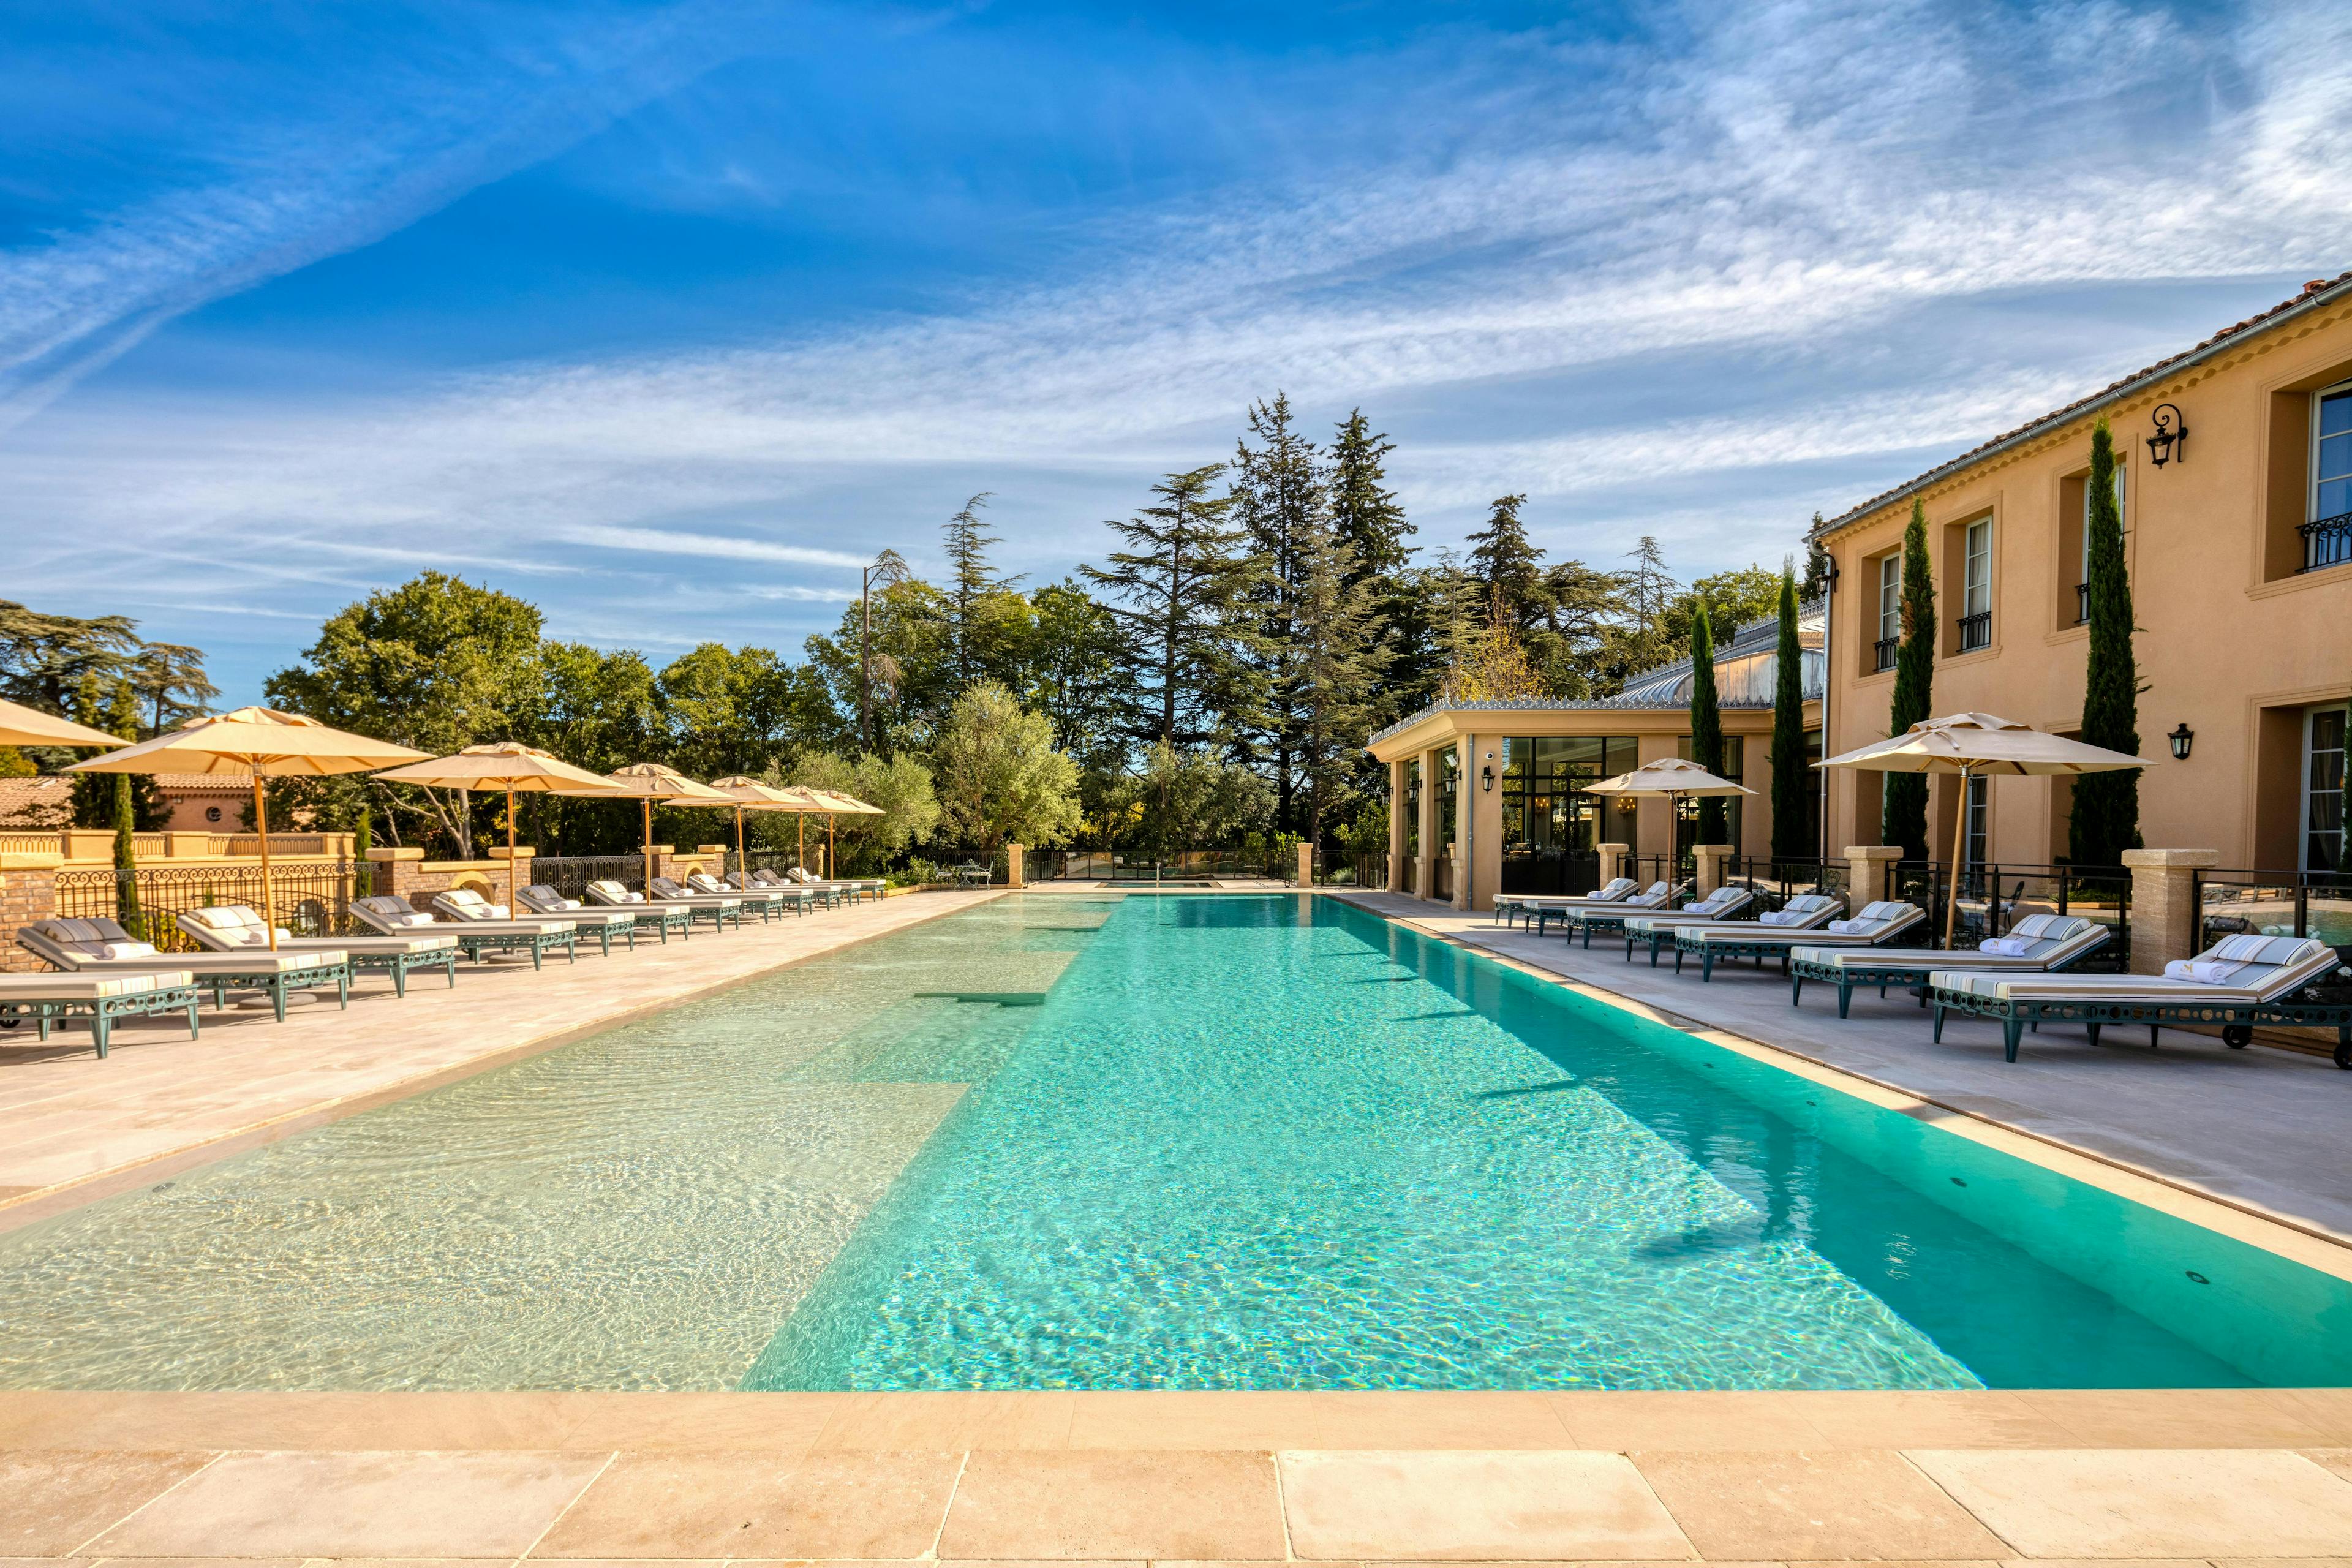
665, 316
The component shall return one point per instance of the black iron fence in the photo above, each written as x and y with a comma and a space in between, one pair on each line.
2274, 903
1993, 896
1556, 872
309, 898
1775, 882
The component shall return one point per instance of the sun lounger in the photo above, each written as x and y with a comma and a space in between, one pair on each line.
52, 999
801, 899
728, 906
1875, 926
99, 946
1509, 907
483, 926
2038, 945
1725, 903
828, 894
236, 927
1657, 896
683, 912
2238, 982
1807, 911
602, 924
395, 917
770, 902
851, 888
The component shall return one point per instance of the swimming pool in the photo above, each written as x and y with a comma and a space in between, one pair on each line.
1157, 1140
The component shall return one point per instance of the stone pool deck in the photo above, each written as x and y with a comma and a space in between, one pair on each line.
2225, 1477
2261, 1129
72, 1126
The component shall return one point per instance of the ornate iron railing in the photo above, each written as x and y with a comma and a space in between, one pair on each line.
2082, 602
2276, 903
308, 898
1775, 881
1556, 872
1994, 896
1976, 631
2327, 541
1884, 649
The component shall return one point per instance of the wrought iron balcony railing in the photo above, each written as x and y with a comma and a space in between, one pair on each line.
1976, 631
1886, 647
2327, 541
2082, 602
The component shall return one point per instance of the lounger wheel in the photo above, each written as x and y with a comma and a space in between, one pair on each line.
2238, 1036
2344, 1055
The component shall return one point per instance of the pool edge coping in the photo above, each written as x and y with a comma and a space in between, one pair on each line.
2306, 1242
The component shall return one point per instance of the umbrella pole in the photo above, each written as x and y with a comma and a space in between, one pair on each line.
261, 826
742, 865
800, 835
1959, 848
828, 845
647, 845
514, 898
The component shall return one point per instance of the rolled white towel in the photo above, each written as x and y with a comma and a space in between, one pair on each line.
2204, 971
125, 949
2007, 946
1847, 928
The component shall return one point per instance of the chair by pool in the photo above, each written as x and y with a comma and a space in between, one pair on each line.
2041, 944
1509, 907
724, 907
770, 902
670, 912
1807, 911
52, 999
1877, 924
1657, 896
99, 946
2237, 983
237, 928
541, 900
1723, 904
396, 917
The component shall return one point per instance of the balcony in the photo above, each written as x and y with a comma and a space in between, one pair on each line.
1886, 647
2082, 602
1976, 631
2327, 541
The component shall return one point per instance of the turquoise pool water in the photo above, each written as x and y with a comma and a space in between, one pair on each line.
1154, 1142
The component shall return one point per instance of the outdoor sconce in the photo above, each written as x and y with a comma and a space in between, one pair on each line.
2181, 737
1486, 774
2170, 427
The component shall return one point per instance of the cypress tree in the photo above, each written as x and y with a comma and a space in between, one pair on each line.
363, 840
126, 862
1792, 795
2106, 805
1905, 821
1706, 724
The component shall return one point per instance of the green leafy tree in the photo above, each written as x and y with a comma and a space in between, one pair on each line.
1193, 800
906, 679
1079, 675
438, 664
363, 840
1278, 498
1792, 792
1706, 724
599, 710
1507, 565
728, 711
126, 862
170, 678
1733, 599
1181, 585
1329, 677
1904, 818
900, 784
113, 706
2105, 819
45, 659
1365, 512
999, 777
986, 618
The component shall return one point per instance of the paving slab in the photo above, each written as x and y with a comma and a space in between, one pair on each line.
1476, 1507
2112, 1502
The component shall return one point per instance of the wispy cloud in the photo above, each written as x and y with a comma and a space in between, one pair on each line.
671, 541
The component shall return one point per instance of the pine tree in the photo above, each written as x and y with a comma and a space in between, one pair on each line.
1817, 563
2106, 805
971, 586
1336, 662
1508, 568
1278, 498
1792, 790
1706, 725
1365, 513
1182, 583
1904, 818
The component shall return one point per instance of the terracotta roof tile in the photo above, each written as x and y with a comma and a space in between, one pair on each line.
2313, 292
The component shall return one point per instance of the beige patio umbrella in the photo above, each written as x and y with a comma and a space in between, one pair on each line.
833, 802
1670, 778
509, 766
254, 743
1972, 744
647, 783
22, 726
751, 795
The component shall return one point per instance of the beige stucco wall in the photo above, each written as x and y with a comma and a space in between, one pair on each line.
2232, 642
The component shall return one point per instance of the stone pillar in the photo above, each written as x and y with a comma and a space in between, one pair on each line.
1613, 858
1432, 830
89, 843
1306, 864
1483, 856
395, 870
1016, 872
1396, 826
663, 856
2164, 914
1867, 874
188, 846
1465, 802
1714, 866
28, 892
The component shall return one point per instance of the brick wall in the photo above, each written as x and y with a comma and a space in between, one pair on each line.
28, 892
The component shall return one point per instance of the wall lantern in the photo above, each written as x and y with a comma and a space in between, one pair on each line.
2170, 427
1486, 774
2181, 737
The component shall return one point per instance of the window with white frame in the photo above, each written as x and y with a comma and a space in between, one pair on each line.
1890, 607
1976, 585
2328, 535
